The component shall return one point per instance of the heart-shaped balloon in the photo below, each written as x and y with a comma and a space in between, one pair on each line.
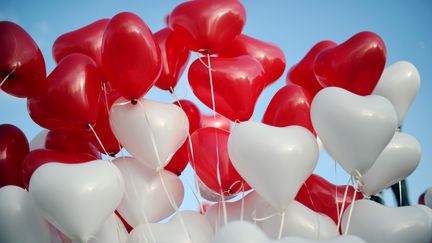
146, 200
151, 131
269, 55
174, 57
102, 127
399, 83
323, 197
274, 161
86, 40
71, 100
354, 129
21, 62
289, 106
14, 148
355, 65
303, 74
254, 207
77, 198
182, 156
210, 155
131, 57
191, 228
396, 162
241, 232
38, 157
300, 221
237, 84
207, 26
390, 225
19, 221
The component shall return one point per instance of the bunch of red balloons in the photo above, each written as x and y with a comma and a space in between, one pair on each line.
92, 104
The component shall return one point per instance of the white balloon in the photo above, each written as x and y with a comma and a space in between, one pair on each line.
197, 228
19, 221
112, 231
399, 83
374, 222
428, 197
275, 161
209, 194
254, 207
240, 232
38, 142
428, 212
145, 200
338, 239
354, 129
397, 161
77, 198
302, 222
151, 131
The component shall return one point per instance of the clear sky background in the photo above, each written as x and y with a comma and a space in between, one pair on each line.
295, 26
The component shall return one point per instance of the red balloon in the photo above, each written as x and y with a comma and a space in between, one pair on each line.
355, 65
180, 159
207, 26
205, 141
71, 100
303, 73
237, 82
70, 142
19, 52
131, 57
421, 199
13, 149
217, 122
320, 196
103, 128
86, 40
269, 55
174, 56
290, 106
39, 157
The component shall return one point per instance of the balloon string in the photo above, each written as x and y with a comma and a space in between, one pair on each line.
224, 209
343, 204
106, 97
313, 205
159, 171
336, 189
255, 219
242, 203
91, 128
190, 154
10, 73
281, 225
351, 210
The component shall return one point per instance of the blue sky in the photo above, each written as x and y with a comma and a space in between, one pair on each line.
295, 26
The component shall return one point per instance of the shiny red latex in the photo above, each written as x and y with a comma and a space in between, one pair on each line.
205, 141
70, 142
320, 196
14, 147
174, 57
86, 40
303, 72
39, 157
19, 52
269, 55
217, 122
355, 65
131, 57
290, 106
72, 97
180, 159
237, 82
207, 26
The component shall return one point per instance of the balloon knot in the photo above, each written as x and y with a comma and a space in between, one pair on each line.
134, 101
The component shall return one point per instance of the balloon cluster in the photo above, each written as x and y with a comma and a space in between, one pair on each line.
59, 188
